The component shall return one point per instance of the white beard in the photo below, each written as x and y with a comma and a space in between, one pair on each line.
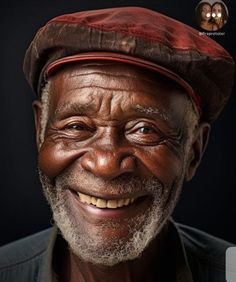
143, 228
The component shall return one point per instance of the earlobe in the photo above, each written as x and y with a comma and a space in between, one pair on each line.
197, 149
37, 109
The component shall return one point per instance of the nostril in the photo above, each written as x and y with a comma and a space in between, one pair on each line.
87, 162
128, 163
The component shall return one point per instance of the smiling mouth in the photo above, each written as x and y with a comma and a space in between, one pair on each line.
105, 204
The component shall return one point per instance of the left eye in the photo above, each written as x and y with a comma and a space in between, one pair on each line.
144, 134
146, 130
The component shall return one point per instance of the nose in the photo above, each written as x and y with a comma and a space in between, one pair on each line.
108, 163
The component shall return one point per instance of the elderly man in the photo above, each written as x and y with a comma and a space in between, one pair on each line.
126, 98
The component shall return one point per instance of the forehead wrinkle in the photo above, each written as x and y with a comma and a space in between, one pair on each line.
134, 75
110, 89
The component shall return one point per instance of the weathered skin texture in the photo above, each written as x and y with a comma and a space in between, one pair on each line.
111, 121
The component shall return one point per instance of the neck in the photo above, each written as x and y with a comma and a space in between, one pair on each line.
139, 269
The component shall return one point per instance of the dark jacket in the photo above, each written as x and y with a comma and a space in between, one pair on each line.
200, 257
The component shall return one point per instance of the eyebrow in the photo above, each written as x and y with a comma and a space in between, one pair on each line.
72, 108
153, 112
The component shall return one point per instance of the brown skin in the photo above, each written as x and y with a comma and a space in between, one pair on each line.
110, 139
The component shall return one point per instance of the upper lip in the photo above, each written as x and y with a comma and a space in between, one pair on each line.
108, 196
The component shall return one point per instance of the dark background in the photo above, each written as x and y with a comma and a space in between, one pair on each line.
208, 202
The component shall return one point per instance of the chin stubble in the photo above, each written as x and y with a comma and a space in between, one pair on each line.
143, 228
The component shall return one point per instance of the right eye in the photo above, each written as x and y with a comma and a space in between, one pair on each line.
78, 131
76, 126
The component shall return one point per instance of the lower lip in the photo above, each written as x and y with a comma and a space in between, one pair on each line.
137, 207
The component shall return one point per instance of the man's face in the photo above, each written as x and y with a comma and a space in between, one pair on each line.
114, 157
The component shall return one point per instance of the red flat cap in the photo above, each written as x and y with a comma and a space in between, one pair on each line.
136, 36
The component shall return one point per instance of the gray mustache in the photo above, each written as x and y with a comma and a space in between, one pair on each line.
122, 184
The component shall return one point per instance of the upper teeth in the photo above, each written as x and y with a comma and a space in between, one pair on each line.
102, 203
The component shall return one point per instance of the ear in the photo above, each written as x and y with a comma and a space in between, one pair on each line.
37, 109
197, 149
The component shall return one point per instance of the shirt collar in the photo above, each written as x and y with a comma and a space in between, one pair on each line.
47, 274
183, 272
